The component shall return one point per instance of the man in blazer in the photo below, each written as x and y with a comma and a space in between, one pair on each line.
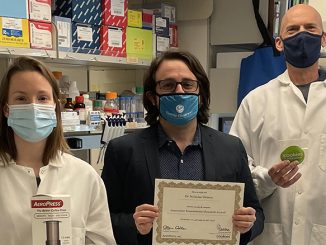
176, 146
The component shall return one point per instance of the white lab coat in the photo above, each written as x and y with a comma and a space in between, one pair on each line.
269, 116
90, 216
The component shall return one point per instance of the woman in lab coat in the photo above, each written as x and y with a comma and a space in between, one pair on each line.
34, 160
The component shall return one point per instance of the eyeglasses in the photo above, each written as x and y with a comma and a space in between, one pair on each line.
169, 85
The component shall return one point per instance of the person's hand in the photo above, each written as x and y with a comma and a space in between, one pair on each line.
285, 173
243, 219
144, 217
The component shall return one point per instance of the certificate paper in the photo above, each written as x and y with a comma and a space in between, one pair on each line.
196, 212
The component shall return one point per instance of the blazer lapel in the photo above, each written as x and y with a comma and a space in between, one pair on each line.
150, 144
209, 150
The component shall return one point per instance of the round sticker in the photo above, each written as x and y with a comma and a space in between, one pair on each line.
179, 108
293, 153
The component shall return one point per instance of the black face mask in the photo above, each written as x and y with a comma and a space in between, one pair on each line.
303, 49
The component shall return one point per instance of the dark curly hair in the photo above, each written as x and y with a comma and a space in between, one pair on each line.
195, 67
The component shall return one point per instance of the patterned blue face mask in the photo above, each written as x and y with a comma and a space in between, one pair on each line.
32, 122
178, 109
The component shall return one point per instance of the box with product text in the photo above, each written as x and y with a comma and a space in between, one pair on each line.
173, 33
64, 35
161, 25
139, 44
51, 219
114, 13
40, 10
163, 9
40, 35
113, 41
135, 18
14, 32
162, 44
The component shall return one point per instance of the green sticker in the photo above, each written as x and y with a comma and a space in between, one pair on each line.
293, 153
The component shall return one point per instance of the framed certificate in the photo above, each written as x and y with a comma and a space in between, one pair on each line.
196, 212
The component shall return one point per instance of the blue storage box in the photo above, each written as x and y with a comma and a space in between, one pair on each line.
14, 8
80, 11
85, 38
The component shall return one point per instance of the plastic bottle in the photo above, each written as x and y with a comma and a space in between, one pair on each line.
111, 105
73, 90
88, 104
69, 106
139, 102
80, 108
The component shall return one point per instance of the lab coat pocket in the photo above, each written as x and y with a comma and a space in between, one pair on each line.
318, 235
78, 236
322, 153
272, 235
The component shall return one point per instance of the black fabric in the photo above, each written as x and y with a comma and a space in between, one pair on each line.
174, 164
38, 181
132, 165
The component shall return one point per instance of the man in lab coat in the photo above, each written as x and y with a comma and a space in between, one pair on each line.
282, 126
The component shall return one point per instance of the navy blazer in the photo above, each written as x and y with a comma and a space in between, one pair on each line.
132, 163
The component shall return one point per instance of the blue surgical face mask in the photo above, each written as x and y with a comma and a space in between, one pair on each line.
303, 49
178, 109
32, 122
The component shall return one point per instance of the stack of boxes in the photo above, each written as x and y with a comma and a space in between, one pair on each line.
139, 40
160, 17
85, 19
105, 27
40, 26
26, 23
113, 29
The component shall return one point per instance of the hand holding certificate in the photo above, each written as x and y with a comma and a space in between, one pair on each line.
196, 212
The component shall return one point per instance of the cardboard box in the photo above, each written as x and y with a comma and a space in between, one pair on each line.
14, 8
64, 33
135, 18
163, 9
87, 12
70, 118
173, 33
51, 219
40, 35
139, 43
162, 44
147, 18
14, 32
161, 25
40, 10
114, 13
85, 38
113, 41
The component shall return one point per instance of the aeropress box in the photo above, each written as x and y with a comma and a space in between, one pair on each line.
51, 220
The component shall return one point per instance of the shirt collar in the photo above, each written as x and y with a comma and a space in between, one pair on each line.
163, 138
285, 78
56, 162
